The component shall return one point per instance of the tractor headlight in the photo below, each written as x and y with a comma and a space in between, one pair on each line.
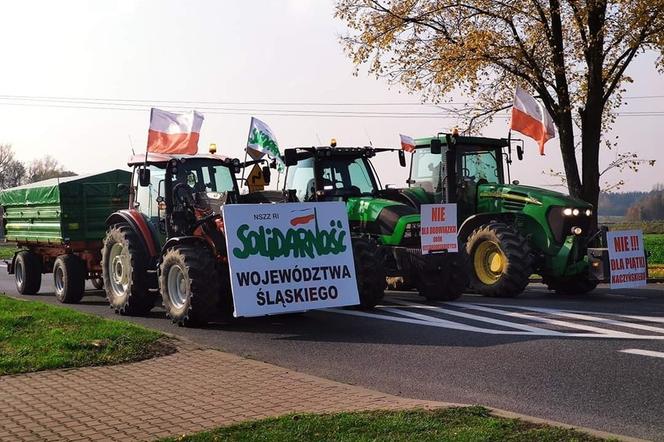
575, 212
577, 230
567, 212
589, 212
412, 230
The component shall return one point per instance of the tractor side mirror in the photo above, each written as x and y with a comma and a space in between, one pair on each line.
402, 158
519, 152
290, 157
144, 177
436, 146
266, 174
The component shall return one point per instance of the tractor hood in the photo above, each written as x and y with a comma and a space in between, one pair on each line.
381, 216
530, 195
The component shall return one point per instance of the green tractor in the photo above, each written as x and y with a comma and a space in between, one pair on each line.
509, 230
385, 218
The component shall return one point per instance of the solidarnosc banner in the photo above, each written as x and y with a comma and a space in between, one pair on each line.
289, 257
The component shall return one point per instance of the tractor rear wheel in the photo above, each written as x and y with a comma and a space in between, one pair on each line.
124, 268
500, 260
571, 285
28, 272
442, 277
189, 285
370, 272
69, 279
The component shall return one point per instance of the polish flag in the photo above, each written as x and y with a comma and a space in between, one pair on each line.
407, 143
173, 132
531, 118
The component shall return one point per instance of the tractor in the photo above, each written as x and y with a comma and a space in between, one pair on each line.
171, 241
382, 220
509, 230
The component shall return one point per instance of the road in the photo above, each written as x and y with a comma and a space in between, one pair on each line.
595, 361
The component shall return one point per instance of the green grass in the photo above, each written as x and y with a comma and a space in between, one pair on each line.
7, 252
654, 243
35, 336
452, 424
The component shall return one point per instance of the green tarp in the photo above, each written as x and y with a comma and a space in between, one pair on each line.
64, 209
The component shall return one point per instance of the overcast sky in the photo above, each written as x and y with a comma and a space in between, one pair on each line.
245, 52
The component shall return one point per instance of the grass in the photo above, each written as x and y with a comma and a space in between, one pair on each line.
35, 336
451, 424
654, 243
7, 252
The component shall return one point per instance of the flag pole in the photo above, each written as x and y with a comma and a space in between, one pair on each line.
246, 149
147, 144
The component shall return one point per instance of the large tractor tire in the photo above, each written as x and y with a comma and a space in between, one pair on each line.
570, 285
27, 272
370, 272
500, 260
124, 269
69, 279
189, 285
442, 277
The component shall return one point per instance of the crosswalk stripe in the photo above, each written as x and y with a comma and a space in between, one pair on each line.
586, 317
565, 324
636, 351
500, 322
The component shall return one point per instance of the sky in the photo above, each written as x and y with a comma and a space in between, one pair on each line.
280, 52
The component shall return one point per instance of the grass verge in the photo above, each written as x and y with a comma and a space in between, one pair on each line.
7, 252
35, 336
451, 424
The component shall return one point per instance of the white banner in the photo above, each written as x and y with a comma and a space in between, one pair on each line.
289, 257
439, 228
627, 259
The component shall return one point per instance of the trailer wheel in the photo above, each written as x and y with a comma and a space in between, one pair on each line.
124, 268
97, 283
370, 272
69, 279
27, 272
571, 285
500, 260
189, 285
442, 277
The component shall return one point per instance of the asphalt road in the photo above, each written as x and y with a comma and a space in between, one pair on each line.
560, 358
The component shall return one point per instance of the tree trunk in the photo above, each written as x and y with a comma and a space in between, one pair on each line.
568, 151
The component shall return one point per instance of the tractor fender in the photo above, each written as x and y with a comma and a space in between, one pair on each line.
473, 222
139, 224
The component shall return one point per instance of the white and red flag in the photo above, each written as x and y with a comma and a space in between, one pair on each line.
407, 143
531, 118
175, 133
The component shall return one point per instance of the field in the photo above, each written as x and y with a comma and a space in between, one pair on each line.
451, 424
35, 336
655, 245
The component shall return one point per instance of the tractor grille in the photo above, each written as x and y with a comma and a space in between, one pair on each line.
513, 206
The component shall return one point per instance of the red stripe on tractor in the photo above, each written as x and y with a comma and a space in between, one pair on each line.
145, 230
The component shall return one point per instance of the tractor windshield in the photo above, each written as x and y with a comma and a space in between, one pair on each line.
480, 165
347, 176
205, 177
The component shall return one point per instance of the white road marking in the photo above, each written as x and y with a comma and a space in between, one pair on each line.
403, 315
500, 322
585, 317
3, 265
636, 351
547, 320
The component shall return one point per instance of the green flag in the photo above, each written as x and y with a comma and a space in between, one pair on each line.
262, 141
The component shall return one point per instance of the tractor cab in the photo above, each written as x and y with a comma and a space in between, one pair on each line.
454, 169
177, 193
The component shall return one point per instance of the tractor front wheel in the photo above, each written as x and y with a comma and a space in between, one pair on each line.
570, 285
442, 277
189, 285
500, 260
370, 272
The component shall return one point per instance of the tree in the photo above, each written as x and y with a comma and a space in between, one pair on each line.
45, 168
572, 54
12, 171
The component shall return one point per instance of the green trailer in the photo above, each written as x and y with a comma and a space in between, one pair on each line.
59, 226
